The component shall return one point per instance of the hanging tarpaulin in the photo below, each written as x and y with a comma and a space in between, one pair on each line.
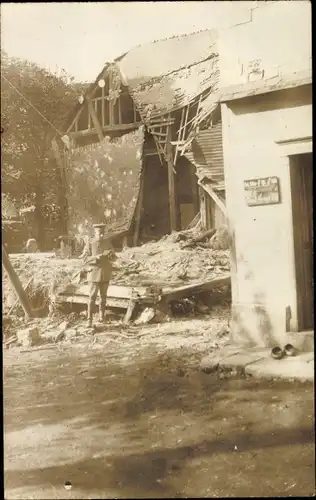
103, 182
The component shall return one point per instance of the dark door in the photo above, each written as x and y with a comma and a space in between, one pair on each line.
301, 169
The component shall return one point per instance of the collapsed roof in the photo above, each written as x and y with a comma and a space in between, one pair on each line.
168, 74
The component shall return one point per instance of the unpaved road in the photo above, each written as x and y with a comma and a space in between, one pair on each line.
148, 425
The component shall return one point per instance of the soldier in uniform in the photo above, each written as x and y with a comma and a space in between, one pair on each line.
99, 255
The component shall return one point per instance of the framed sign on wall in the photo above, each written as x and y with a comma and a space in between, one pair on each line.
263, 191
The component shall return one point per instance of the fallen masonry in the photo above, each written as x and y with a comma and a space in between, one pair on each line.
157, 277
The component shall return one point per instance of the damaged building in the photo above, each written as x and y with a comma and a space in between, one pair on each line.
144, 120
266, 101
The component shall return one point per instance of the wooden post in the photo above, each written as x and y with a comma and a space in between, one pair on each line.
63, 191
102, 108
94, 118
119, 110
195, 190
17, 285
208, 212
203, 207
171, 183
111, 102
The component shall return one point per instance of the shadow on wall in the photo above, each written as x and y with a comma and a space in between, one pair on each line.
288, 98
257, 329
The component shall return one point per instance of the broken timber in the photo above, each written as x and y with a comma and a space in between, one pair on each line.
129, 297
17, 285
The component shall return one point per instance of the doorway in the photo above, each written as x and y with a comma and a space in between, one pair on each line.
301, 174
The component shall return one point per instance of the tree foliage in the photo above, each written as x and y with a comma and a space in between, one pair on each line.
29, 176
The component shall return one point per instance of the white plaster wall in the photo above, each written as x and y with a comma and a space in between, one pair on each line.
220, 218
276, 33
263, 234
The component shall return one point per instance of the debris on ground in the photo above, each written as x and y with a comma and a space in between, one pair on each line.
146, 316
175, 260
28, 337
178, 262
41, 274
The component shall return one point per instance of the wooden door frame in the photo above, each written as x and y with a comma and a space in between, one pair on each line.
298, 186
291, 147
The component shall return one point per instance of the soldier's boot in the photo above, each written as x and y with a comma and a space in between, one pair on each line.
90, 316
101, 314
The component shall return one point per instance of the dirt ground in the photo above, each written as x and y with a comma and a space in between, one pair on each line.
134, 418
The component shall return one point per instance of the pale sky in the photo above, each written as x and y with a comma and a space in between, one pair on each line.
81, 37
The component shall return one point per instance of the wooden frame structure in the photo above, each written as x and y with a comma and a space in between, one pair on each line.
102, 111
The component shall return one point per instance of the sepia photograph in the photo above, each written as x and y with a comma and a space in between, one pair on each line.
157, 250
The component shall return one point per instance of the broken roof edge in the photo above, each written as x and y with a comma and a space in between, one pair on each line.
116, 62
155, 79
159, 40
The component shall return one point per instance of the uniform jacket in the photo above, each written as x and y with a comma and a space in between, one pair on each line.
98, 273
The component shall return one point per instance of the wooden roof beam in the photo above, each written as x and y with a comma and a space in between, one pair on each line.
94, 118
107, 129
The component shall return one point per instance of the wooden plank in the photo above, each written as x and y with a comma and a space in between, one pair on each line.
185, 291
94, 118
179, 136
83, 299
161, 134
215, 197
171, 185
75, 119
114, 291
158, 149
182, 134
195, 221
152, 153
139, 209
159, 123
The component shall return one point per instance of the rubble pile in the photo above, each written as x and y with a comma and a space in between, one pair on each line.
173, 260
41, 274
